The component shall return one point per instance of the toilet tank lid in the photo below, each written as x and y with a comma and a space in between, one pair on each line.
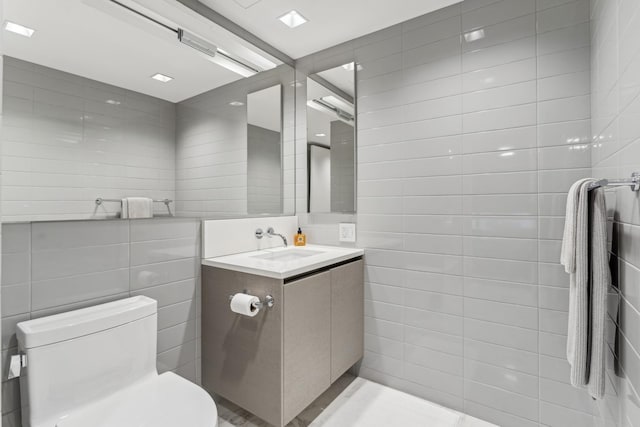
85, 321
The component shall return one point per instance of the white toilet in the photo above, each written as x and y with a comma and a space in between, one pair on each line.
97, 367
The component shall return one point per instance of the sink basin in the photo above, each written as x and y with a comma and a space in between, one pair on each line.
285, 255
282, 263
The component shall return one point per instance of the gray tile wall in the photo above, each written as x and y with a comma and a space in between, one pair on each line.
211, 147
615, 108
342, 166
67, 140
465, 152
51, 267
264, 171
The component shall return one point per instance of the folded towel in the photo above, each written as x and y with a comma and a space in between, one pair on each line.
585, 257
137, 207
568, 253
576, 258
600, 278
124, 214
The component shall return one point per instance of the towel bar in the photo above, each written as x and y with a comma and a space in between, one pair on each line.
633, 182
100, 200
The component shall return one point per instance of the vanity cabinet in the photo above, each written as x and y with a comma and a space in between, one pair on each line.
347, 317
307, 341
278, 362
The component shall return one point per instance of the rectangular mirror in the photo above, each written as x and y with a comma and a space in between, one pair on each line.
157, 102
331, 140
264, 151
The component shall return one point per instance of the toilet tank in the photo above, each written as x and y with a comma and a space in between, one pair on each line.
78, 357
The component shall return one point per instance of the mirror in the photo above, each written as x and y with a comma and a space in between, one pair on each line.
331, 140
148, 100
264, 151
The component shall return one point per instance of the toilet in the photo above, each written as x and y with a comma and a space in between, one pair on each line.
97, 367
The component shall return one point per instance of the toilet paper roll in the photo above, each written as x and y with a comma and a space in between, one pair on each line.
244, 304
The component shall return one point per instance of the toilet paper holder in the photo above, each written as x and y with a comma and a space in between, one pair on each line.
268, 301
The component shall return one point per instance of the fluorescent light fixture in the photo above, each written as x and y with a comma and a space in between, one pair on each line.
197, 43
325, 107
293, 19
18, 29
236, 103
321, 135
339, 103
473, 36
161, 78
214, 54
234, 65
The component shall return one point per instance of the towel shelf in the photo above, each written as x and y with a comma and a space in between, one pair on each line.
633, 182
100, 200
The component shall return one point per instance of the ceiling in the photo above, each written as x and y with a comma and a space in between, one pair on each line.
101, 41
342, 77
330, 21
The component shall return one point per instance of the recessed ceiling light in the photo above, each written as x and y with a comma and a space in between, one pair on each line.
18, 29
236, 103
161, 78
474, 35
112, 102
321, 134
293, 19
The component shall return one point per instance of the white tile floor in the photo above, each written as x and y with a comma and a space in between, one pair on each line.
361, 403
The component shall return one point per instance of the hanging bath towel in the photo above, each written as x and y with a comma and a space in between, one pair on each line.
585, 257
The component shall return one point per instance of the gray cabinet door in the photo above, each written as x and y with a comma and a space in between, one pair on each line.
307, 342
242, 356
347, 317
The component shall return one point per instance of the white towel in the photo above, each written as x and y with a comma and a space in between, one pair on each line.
568, 253
576, 261
137, 207
600, 278
585, 257
124, 210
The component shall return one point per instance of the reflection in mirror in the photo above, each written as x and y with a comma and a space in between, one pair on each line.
264, 151
331, 140
128, 106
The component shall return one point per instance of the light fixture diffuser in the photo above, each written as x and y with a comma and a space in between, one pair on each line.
18, 29
161, 78
293, 19
473, 36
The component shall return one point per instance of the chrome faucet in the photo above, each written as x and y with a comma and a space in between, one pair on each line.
271, 232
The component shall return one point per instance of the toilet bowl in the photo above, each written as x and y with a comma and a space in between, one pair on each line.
97, 367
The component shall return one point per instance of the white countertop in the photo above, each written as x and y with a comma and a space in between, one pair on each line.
257, 262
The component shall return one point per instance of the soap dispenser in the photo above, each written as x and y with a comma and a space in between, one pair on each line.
300, 239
